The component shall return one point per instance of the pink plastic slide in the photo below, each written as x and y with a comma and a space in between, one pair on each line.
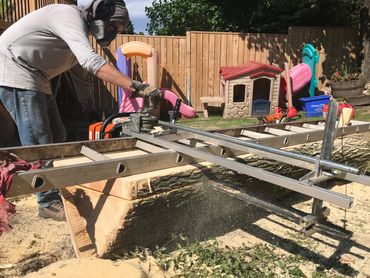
300, 75
186, 110
128, 105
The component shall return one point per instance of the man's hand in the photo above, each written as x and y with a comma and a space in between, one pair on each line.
146, 91
142, 89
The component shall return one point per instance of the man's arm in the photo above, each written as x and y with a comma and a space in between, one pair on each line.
111, 74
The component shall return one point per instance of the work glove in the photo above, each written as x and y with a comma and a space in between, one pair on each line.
145, 90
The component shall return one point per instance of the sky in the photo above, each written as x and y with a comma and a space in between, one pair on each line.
136, 10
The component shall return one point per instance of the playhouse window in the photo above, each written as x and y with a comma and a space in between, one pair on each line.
239, 93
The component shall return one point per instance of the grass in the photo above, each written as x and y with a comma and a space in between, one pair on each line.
363, 114
218, 122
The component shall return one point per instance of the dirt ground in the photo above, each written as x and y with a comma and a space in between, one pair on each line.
45, 246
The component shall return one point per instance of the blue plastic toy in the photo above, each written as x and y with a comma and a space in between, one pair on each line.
311, 58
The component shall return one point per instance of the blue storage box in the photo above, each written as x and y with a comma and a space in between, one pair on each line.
313, 105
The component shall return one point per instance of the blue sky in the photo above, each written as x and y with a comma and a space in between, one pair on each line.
136, 9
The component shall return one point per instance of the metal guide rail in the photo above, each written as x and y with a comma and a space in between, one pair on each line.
178, 145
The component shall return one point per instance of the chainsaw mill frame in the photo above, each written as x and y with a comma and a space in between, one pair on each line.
184, 145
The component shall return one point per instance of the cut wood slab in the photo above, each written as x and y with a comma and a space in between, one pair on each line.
111, 217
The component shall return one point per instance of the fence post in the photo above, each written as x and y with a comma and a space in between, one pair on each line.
188, 67
33, 5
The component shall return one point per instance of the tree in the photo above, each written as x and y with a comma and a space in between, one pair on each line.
174, 17
129, 28
269, 16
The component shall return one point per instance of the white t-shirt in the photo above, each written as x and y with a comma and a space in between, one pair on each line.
42, 45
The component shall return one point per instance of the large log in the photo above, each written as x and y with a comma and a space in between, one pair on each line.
109, 218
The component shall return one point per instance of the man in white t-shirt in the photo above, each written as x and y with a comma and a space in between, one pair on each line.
44, 44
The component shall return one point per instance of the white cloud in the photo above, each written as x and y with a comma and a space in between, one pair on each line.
136, 8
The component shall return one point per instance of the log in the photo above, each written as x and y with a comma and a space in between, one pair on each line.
111, 217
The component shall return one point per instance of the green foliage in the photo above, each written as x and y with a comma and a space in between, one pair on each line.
4, 7
129, 29
210, 260
345, 74
269, 16
174, 17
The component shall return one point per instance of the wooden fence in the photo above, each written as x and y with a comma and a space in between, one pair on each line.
12, 10
190, 65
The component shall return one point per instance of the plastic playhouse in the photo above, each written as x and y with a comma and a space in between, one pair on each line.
251, 89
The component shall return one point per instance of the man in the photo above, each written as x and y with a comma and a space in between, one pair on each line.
42, 45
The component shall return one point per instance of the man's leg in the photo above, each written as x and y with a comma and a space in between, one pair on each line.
57, 127
29, 110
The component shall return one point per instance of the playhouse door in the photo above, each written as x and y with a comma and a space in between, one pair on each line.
261, 97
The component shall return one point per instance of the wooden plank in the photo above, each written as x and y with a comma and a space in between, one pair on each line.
63, 150
184, 72
199, 70
193, 71
93, 155
278, 132
175, 65
255, 135
211, 66
216, 65
205, 66
104, 217
148, 147
253, 41
81, 241
297, 129
234, 50
315, 127
169, 67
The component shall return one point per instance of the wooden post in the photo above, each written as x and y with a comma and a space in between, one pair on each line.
33, 5
188, 67
288, 86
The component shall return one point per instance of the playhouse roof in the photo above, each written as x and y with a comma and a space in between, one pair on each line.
253, 68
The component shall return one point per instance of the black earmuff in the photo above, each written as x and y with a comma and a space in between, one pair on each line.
105, 10
100, 10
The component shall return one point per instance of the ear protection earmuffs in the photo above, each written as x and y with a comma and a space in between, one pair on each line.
100, 10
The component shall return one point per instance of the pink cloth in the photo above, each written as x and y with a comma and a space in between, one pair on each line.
8, 168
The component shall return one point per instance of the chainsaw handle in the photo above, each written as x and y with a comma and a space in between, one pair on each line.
107, 121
